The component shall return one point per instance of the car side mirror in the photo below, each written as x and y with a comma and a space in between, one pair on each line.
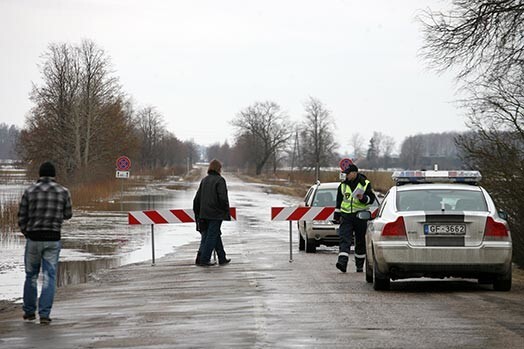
503, 215
364, 215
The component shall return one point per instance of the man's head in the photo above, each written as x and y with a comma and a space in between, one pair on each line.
214, 165
351, 172
47, 169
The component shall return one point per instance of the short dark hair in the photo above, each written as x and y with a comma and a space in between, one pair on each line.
215, 166
47, 169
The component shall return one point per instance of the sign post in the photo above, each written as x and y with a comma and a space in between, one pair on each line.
123, 164
344, 163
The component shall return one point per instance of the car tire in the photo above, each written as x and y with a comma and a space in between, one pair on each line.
380, 280
301, 242
311, 245
369, 272
503, 282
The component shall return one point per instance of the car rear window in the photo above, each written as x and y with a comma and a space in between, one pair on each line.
325, 197
438, 199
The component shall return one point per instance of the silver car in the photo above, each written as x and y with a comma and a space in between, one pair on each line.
438, 224
312, 234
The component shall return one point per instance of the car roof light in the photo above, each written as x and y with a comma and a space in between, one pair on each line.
454, 176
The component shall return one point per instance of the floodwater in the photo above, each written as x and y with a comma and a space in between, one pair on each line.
94, 240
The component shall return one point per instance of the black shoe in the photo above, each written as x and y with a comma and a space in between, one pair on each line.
341, 267
225, 261
197, 259
208, 264
45, 320
360, 270
29, 317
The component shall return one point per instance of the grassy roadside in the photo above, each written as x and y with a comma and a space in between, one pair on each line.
297, 183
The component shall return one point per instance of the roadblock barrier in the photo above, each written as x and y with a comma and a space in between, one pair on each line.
300, 214
168, 216
153, 217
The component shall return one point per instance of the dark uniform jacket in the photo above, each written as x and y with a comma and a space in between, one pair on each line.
211, 201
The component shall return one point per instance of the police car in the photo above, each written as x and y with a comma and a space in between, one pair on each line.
438, 224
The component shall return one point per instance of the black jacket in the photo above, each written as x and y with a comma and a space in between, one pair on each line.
211, 200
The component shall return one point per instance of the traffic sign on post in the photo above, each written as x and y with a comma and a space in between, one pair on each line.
344, 163
123, 163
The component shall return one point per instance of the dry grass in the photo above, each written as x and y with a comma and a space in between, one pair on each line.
8, 215
297, 183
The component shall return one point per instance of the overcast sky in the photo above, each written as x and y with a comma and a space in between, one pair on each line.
200, 62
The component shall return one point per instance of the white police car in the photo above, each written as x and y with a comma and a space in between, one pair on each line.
438, 224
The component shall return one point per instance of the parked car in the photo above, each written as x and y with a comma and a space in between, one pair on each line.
312, 234
438, 224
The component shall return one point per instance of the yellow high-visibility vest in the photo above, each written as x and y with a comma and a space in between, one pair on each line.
349, 203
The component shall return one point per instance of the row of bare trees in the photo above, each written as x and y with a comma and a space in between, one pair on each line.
483, 41
82, 120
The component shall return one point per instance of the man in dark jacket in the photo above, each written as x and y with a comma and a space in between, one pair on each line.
43, 208
354, 194
211, 207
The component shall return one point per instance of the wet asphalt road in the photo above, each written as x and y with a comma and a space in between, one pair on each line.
261, 300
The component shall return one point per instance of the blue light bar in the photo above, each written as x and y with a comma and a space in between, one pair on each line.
458, 176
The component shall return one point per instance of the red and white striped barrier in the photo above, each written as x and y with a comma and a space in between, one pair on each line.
168, 216
302, 213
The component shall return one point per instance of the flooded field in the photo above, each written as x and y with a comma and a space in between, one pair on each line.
98, 238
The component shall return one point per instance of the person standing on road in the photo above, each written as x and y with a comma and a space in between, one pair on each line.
211, 207
354, 194
43, 208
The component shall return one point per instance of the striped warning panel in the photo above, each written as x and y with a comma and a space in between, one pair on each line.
167, 216
302, 213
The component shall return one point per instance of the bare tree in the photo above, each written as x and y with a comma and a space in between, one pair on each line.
411, 152
484, 40
98, 90
150, 124
266, 129
356, 141
317, 136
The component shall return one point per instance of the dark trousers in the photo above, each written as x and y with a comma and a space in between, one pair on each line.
212, 240
350, 225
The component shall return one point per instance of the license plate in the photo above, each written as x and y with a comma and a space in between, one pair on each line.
447, 229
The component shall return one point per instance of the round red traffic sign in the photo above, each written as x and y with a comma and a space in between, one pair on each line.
123, 163
344, 163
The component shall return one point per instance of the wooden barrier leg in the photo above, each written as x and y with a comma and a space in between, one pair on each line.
290, 242
153, 244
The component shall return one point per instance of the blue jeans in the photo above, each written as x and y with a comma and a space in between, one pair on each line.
212, 240
44, 254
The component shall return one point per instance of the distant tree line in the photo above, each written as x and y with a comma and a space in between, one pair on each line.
8, 139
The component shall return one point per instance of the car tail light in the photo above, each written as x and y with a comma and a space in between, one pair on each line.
496, 230
395, 229
374, 213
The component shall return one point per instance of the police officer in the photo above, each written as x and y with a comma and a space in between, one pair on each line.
354, 194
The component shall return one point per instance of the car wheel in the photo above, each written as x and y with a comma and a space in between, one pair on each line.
380, 280
301, 242
503, 282
369, 272
311, 245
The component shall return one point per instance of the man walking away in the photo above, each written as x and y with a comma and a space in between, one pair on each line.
43, 208
211, 207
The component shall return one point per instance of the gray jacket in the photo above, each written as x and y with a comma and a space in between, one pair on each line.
211, 201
